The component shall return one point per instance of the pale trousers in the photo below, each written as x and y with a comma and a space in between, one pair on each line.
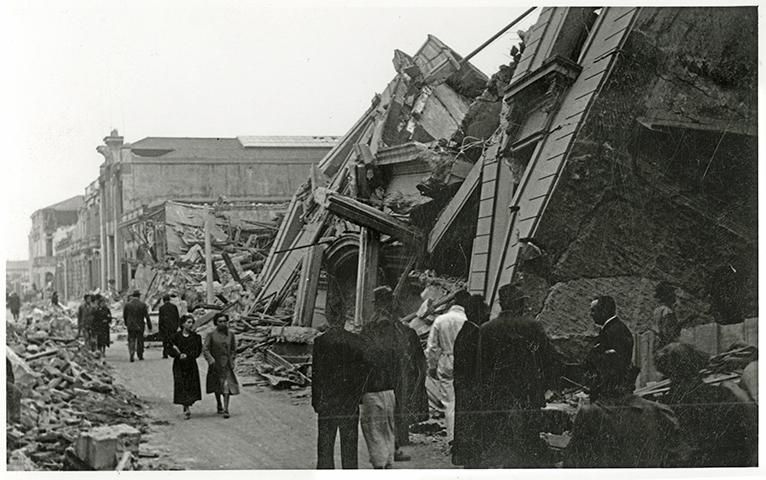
448, 399
376, 416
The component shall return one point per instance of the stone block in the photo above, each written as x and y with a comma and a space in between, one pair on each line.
729, 334
98, 449
706, 338
751, 331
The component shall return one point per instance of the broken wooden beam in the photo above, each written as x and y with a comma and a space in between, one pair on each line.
42, 354
442, 301
365, 216
232, 268
455, 205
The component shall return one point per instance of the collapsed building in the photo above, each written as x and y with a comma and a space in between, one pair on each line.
616, 151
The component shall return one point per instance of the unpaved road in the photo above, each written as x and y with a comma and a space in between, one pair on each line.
268, 429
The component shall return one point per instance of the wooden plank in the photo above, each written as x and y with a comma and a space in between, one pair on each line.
290, 261
307, 286
483, 226
366, 275
365, 215
454, 207
500, 224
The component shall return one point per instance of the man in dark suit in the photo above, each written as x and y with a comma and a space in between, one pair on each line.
134, 314
168, 323
338, 376
516, 365
614, 340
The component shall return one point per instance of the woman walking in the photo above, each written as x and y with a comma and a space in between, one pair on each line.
185, 347
102, 318
219, 350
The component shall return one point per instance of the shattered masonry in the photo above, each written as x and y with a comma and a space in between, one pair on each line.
622, 138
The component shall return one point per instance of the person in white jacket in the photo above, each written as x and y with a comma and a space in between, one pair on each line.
440, 357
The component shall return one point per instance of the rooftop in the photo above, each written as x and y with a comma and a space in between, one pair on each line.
70, 204
243, 147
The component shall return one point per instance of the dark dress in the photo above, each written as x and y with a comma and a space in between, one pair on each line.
466, 446
100, 326
410, 389
186, 384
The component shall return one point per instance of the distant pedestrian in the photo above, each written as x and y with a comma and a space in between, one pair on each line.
136, 317
14, 303
614, 336
185, 346
665, 325
168, 324
220, 350
339, 372
467, 445
101, 321
516, 363
440, 354
376, 414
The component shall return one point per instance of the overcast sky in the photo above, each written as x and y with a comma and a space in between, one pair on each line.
74, 70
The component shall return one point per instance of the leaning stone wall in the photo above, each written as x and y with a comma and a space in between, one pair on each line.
620, 220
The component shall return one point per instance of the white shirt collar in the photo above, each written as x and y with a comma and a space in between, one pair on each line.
608, 320
457, 308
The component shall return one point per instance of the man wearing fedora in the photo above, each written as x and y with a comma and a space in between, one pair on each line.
517, 365
136, 317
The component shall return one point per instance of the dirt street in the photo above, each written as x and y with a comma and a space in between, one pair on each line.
268, 429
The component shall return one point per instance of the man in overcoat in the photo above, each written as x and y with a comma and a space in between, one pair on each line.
338, 375
136, 317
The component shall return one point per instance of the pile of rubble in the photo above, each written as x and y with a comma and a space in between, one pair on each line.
59, 391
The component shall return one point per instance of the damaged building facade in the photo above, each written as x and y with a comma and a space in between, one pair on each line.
112, 237
143, 174
45, 224
617, 150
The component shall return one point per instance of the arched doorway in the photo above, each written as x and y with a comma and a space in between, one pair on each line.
340, 265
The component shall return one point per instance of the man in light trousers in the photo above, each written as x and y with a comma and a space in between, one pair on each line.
439, 354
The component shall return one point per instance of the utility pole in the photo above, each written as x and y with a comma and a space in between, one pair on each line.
209, 255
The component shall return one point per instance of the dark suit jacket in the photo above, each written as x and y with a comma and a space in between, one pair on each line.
338, 372
616, 336
134, 313
516, 361
169, 320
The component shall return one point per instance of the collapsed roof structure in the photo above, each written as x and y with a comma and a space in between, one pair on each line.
617, 150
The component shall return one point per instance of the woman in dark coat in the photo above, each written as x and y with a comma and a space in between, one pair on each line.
220, 349
467, 445
102, 318
185, 346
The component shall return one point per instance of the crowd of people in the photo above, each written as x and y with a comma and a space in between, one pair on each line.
495, 376
94, 320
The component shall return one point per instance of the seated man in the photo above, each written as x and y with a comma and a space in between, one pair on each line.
622, 430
